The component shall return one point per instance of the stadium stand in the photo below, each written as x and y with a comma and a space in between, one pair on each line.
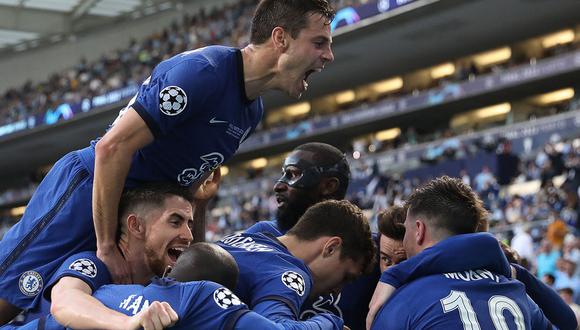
509, 127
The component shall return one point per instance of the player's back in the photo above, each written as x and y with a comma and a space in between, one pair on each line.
473, 299
199, 305
268, 271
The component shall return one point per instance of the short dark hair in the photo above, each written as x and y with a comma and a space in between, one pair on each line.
566, 290
146, 196
288, 14
392, 222
551, 277
206, 262
151, 194
449, 205
342, 219
325, 155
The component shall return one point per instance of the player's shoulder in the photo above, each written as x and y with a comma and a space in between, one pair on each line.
85, 263
209, 58
268, 226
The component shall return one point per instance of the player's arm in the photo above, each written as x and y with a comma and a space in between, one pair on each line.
553, 307
538, 320
276, 310
113, 156
323, 321
74, 307
203, 195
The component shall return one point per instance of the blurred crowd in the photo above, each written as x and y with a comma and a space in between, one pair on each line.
226, 25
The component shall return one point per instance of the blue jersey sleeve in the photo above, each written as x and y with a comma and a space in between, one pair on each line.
537, 318
555, 309
451, 255
286, 290
209, 305
323, 321
84, 266
173, 95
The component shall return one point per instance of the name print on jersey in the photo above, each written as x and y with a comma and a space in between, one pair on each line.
246, 243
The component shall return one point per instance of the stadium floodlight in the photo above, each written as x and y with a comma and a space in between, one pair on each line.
259, 163
17, 211
224, 170
493, 57
297, 109
554, 97
388, 134
387, 85
558, 38
442, 70
492, 111
345, 97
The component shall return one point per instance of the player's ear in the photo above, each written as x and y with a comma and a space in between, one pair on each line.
329, 186
421, 231
136, 226
332, 246
279, 38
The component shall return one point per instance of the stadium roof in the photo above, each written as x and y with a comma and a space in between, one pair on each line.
26, 23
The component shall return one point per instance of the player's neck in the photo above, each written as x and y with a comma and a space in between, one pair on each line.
259, 69
307, 251
135, 260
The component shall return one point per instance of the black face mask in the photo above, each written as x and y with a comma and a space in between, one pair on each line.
310, 174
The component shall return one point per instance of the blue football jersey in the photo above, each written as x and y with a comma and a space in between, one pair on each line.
352, 304
196, 107
268, 272
269, 226
84, 266
199, 305
473, 299
479, 250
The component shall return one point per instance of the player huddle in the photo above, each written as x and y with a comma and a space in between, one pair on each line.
107, 240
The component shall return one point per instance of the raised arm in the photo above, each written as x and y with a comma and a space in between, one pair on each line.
206, 191
113, 156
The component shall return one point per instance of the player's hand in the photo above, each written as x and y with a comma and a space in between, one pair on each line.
159, 315
209, 188
511, 254
116, 264
382, 292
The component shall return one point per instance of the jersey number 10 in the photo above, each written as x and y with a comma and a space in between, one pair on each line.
497, 305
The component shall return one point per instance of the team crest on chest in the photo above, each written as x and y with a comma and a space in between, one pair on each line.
84, 266
30, 283
172, 100
294, 281
225, 298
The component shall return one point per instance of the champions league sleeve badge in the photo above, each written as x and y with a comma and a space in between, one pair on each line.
225, 298
85, 267
30, 283
294, 281
172, 100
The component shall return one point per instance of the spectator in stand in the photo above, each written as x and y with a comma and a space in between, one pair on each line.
549, 280
522, 243
567, 295
547, 258
557, 231
483, 179
565, 277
